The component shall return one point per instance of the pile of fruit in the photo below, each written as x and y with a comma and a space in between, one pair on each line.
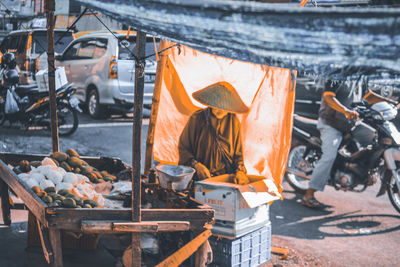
64, 180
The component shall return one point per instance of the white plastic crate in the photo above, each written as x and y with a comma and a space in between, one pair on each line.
232, 202
252, 249
259, 218
42, 77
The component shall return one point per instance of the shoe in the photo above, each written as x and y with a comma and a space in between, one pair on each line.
311, 202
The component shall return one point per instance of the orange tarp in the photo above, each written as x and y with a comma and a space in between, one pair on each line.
267, 91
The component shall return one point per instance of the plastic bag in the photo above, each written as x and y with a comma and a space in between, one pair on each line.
149, 244
11, 105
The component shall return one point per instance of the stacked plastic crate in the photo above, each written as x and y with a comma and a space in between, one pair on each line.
242, 229
251, 249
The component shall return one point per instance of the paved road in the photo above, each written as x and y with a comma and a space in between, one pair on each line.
354, 229
111, 137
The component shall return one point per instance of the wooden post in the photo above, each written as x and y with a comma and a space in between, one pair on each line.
55, 242
50, 7
136, 145
5, 203
154, 108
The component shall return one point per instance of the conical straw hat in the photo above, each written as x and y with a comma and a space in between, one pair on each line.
221, 95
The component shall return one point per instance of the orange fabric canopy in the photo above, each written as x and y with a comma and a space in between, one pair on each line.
267, 91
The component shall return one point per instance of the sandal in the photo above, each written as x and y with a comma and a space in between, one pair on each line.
311, 203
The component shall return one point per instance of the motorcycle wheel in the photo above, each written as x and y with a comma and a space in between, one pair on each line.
394, 194
67, 119
296, 154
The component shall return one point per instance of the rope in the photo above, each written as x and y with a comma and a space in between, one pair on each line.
72, 25
108, 29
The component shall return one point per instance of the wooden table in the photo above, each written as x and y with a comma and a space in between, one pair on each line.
51, 221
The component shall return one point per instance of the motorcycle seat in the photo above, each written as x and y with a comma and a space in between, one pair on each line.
306, 124
23, 90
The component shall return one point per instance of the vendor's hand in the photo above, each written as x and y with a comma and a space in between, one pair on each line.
202, 171
241, 178
351, 114
398, 106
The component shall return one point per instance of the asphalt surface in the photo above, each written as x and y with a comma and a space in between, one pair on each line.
352, 229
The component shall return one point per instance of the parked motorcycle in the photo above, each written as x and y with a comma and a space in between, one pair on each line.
369, 151
32, 107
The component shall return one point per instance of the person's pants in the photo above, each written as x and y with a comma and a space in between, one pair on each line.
331, 139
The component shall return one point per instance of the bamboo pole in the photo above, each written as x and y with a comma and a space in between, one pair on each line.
50, 7
154, 108
136, 145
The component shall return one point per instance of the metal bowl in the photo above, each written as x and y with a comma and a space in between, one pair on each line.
179, 176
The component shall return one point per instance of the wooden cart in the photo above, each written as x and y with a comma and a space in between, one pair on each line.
51, 221
99, 221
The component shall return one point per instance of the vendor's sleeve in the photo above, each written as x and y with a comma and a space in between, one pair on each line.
238, 157
186, 149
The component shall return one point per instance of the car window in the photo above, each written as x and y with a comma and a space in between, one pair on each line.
71, 52
61, 44
100, 47
21, 46
86, 49
12, 45
39, 41
127, 45
4, 44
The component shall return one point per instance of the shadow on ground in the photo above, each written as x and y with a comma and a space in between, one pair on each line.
14, 251
291, 219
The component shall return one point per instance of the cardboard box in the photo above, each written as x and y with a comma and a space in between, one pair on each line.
42, 79
233, 202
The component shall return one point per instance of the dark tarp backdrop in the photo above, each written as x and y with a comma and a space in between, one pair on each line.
342, 43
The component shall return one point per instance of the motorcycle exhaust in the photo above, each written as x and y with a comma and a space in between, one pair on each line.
297, 173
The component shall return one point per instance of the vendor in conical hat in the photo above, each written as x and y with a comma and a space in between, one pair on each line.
211, 140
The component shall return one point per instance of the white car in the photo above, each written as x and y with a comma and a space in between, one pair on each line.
102, 67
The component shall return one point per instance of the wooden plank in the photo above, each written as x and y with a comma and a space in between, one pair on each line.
5, 203
104, 227
34, 204
49, 6
281, 251
173, 226
154, 108
183, 253
137, 125
136, 250
91, 226
55, 241
135, 227
44, 240
70, 219
206, 215
14, 159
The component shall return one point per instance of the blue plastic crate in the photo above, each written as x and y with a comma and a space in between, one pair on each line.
256, 250
265, 235
265, 254
255, 261
248, 250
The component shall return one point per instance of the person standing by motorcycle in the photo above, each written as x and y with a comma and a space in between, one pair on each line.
334, 120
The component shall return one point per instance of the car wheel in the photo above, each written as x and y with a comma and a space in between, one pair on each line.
94, 108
